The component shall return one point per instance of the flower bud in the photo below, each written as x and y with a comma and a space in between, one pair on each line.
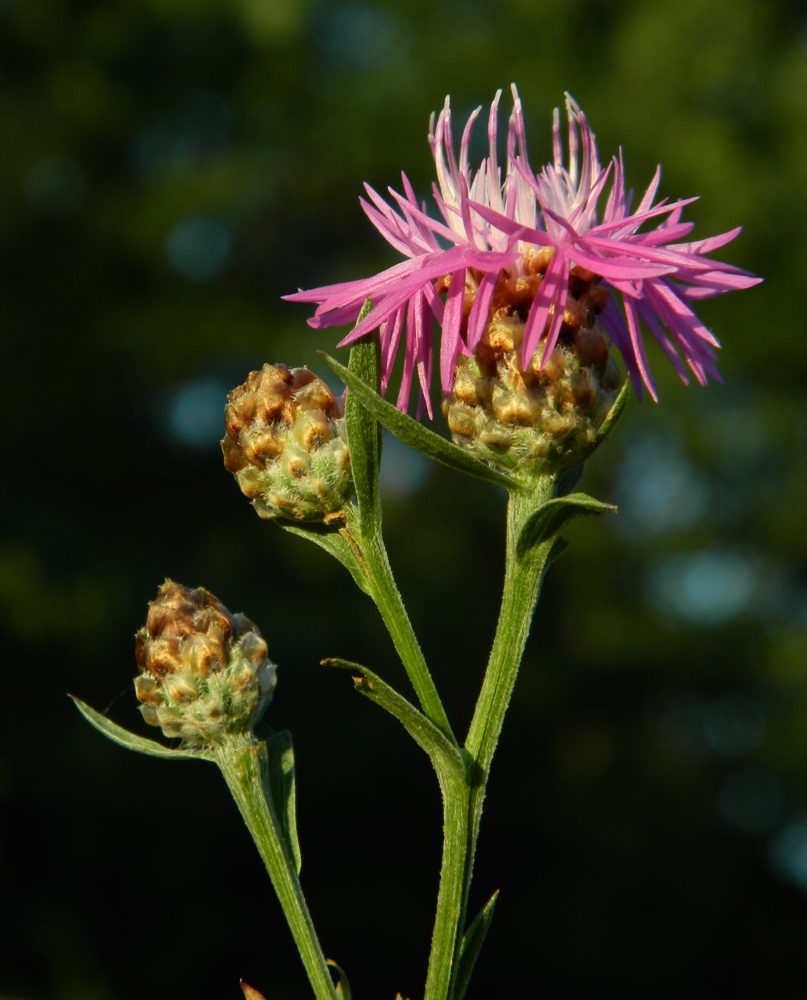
534, 418
205, 672
287, 447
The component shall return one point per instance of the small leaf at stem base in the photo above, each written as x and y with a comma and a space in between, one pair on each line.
343, 986
550, 517
471, 944
282, 787
445, 755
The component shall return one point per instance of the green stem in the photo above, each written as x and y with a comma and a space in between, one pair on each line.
451, 896
244, 766
388, 599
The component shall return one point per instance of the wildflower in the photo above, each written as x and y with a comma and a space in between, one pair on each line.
204, 671
540, 231
287, 447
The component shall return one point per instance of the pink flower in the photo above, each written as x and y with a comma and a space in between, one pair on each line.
523, 224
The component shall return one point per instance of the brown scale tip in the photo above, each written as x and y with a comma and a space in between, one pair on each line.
181, 617
266, 405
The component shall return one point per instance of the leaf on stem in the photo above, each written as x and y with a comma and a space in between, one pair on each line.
363, 432
339, 542
417, 436
446, 757
544, 523
471, 945
126, 739
282, 789
343, 986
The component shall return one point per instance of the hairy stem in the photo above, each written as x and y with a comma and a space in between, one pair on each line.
244, 766
388, 599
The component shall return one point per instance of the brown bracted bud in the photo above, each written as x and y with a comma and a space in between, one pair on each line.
533, 418
205, 672
287, 447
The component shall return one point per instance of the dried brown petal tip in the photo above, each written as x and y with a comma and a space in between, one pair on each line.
287, 447
205, 672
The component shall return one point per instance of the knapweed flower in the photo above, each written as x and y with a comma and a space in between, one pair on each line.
540, 232
205, 672
286, 445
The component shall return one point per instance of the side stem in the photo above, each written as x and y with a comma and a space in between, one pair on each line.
388, 599
244, 766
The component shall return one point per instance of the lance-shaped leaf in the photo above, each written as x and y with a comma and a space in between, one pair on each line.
549, 518
445, 755
339, 542
471, 944
610, 422
417, 436
363, 432
126, 739
343, 986
282, 789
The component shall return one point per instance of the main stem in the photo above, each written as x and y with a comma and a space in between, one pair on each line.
389, 602
463, 804
244, 767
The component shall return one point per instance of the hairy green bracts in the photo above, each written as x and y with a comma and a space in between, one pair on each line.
287, 447
205, 672
543, 417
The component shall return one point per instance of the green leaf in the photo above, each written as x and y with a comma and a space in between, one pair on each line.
126, 739
417, 436
615, 412
343, 986
447, 759
550, 517
471, 945
282, 789
338, 541
363, 432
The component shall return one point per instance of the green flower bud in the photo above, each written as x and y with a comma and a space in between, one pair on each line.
205, 672
534, 419
287, 447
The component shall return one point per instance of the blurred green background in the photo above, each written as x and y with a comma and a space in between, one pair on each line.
169, 168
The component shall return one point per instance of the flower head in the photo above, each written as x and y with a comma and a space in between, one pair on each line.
544, 230
205, 672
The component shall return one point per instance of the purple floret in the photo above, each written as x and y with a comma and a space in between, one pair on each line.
489, 225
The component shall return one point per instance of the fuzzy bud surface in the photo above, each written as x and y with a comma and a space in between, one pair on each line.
287, 447
205, 672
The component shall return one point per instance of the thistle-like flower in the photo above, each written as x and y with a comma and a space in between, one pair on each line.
205, 673
542, 228
287, 447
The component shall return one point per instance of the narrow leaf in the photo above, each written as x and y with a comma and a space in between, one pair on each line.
472, 944
339, 542
550, 517
282, 788
126, 739
417, 436
343, 986
615, 412
363, 432
446, 757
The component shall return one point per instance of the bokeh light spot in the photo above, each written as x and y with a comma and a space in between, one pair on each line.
196, 412
199, 248
704, 588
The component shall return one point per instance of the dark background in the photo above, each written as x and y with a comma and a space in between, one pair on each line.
169, 168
